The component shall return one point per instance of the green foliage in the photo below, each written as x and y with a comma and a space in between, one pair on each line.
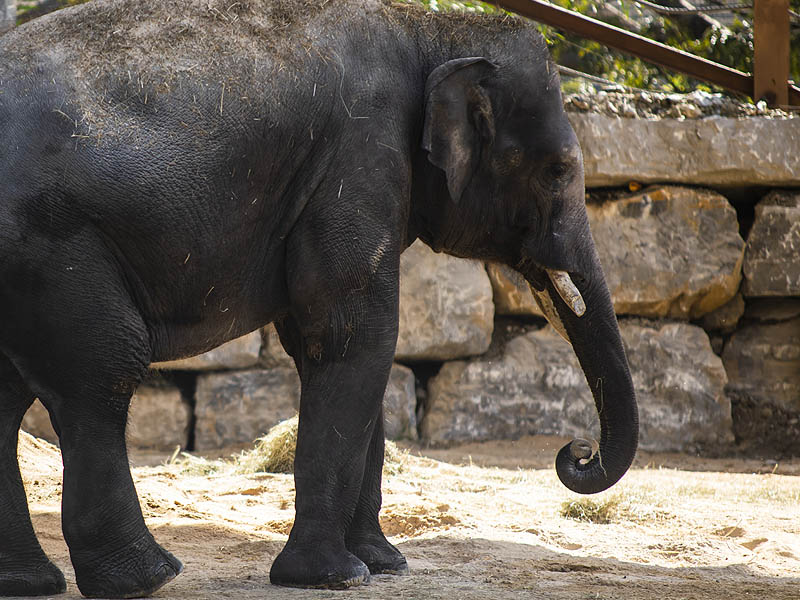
594, 58
731, 46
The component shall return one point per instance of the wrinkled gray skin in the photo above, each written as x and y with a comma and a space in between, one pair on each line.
176, 174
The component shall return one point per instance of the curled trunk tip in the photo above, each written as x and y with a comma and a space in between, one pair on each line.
582, 471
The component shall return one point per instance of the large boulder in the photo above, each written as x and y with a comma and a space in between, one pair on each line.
669, 251
536, 386
158, 418
512, 294
237, 407
680, 386
666, 252
771, 265
446, 308
241, 353
272, 352
772, 310
725, 318
762, 360
527, 387
716, 151
400, 405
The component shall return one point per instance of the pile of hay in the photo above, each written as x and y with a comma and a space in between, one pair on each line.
274, 452
634, 506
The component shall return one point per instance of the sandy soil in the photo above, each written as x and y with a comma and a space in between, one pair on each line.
480, 522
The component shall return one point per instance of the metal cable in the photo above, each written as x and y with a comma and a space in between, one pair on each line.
601, 80
593, 78
697, 10
706, 8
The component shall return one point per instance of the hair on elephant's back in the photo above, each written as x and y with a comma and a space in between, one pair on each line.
170, 37
462, 33
107, 52
105, 35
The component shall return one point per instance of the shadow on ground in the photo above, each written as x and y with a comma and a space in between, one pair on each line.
224, 563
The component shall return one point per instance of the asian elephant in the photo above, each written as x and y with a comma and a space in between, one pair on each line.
177, 173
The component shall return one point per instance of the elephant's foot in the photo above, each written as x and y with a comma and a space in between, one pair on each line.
135, 571
37, 578
379, 555
318, 567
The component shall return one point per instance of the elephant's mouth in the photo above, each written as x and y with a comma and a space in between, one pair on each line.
565, 287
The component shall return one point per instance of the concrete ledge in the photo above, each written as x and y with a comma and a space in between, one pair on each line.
713, 151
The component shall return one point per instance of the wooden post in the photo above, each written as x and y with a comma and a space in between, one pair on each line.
771, 51
8, 14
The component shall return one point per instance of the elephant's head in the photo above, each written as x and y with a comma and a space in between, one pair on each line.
501, 144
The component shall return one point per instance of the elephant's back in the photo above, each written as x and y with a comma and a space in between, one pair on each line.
166, 37
118, 65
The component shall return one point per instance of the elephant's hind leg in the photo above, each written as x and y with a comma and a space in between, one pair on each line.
25, 570
113, 552
82, 346
364, 536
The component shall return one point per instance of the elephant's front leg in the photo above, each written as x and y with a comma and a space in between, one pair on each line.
345, 311
364, 537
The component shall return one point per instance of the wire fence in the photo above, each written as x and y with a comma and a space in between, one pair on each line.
665, 12
607, 83
696, 10
720, 7
614, 85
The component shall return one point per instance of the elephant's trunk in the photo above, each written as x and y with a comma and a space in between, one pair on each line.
596, 340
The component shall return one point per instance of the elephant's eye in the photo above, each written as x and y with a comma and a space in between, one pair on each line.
558, 170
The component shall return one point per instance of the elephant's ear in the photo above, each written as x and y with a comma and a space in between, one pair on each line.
458, 119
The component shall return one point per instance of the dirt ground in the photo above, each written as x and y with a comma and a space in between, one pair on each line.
479, 521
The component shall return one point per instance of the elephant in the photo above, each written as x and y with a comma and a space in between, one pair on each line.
175, 174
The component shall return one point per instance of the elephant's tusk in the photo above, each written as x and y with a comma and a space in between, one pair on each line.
546, 305
567, 290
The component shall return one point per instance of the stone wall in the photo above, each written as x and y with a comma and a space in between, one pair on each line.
703, 264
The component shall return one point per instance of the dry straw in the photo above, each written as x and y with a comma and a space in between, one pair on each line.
590, 510
631, 506
274, 452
